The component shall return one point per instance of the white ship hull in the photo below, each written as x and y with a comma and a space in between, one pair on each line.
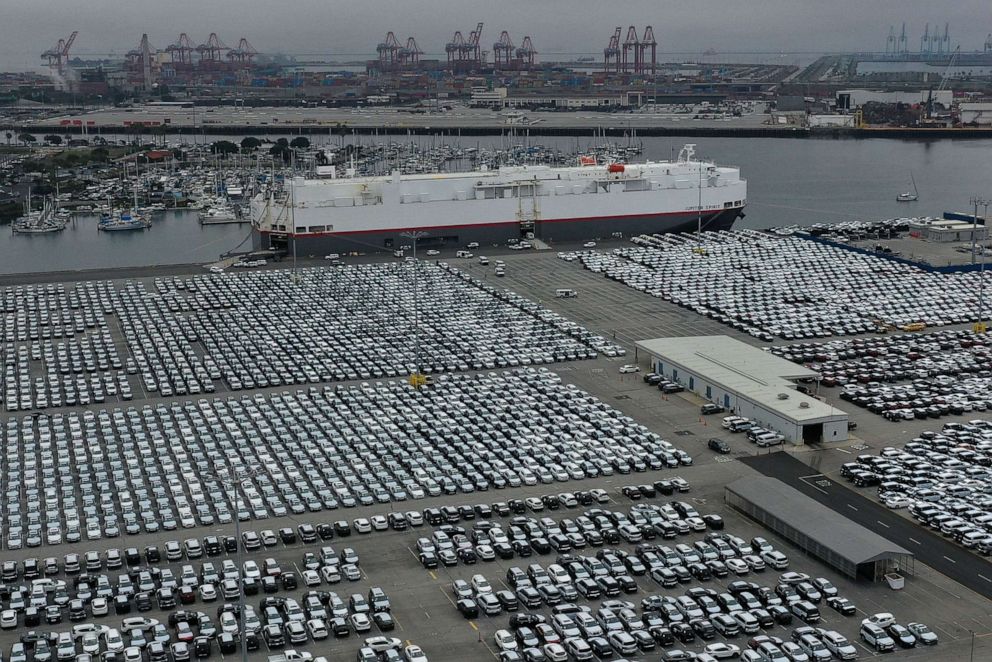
554, 204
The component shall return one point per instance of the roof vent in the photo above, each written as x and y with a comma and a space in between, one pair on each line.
783, 396
804, 405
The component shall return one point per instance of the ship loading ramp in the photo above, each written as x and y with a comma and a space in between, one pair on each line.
852, 549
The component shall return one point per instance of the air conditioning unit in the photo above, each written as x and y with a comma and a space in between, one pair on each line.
804, 405
783, 396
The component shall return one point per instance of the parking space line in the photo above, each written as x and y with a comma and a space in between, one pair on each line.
950, 559
883, 524
914, 540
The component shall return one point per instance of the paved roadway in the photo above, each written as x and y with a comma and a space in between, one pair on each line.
961, 565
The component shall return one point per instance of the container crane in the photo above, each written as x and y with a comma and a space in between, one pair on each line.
210, 52
454, 49
388, 51
526, 52
649, 42
181, 51
410, 54
503, 51
58, 55
611, 54
472, 50
242, 55
631, 43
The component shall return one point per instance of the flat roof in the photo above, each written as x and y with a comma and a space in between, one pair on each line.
825, 526
746, 370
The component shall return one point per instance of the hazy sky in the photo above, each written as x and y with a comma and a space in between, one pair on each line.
335, 27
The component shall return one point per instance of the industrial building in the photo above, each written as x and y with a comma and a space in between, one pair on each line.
948, 230
749, 382
845, 545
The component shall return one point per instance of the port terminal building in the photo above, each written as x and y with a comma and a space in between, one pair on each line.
749, 382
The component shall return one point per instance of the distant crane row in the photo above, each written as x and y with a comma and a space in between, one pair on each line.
631, 55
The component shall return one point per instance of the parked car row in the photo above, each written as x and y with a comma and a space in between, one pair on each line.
943, 478
110, 473
746, 279
525, 536
700, 615
756, 434
893, 358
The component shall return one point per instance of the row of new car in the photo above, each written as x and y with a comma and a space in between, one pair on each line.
525, 536
893, 358
943, 478
143, 588
923, 398
756, 434
107, 474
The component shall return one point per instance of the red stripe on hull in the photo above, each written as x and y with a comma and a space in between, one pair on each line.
430, 228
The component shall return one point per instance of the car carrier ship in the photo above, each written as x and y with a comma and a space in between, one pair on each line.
552, 204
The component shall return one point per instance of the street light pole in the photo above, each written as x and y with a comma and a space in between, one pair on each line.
979, 325
417, 378
228, 481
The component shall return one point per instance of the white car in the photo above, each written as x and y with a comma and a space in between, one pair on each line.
137, 623
91, 643
433, 252
8, 619
380, 644
361, 623
882, 619
505, 641
114, 641
216, 270
630, 367
721, 651
413, 653
100, 607
317, 629
589, 244
481, 585
363, 525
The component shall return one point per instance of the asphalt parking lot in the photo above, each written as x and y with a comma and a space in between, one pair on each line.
422, 599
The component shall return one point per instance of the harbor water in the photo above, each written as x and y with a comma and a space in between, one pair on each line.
790, 181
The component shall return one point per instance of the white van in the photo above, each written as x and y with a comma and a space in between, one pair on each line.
566, 294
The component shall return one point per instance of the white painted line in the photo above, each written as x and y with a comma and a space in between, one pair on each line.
883, 524
950, 559
843, 450
852, 507
916, 541
985, 578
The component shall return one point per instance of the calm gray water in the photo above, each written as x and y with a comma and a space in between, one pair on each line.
789, 181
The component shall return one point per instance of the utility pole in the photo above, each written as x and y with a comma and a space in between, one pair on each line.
244, 476
416, 379
980, 326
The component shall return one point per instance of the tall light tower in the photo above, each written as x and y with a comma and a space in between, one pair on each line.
231, 479
980, 326
417, 379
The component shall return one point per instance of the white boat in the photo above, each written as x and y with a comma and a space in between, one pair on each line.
326, 215
909, 197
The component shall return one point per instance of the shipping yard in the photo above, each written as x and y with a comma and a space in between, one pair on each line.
440, 350
437, 446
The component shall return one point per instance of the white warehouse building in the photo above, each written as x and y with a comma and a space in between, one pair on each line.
749, 382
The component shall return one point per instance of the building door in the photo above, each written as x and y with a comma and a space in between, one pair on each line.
812, 433
726, 401
709, 392
691, 382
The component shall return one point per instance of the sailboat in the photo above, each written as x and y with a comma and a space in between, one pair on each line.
909, 197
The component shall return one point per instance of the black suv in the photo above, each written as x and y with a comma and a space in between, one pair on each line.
718, 445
